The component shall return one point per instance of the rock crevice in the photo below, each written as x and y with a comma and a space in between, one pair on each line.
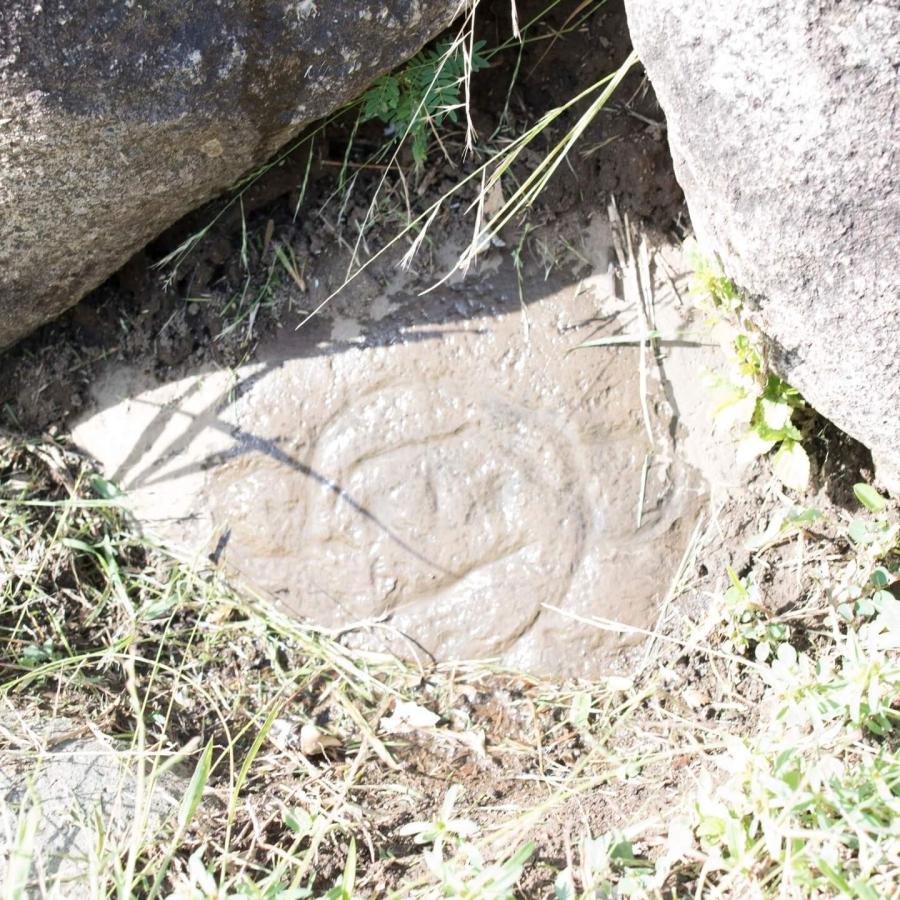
118, 119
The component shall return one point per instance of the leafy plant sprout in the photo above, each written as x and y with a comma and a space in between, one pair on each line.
444, 826
422, 94
750, 396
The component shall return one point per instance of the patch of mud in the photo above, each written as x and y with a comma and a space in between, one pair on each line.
438, 473
439, 468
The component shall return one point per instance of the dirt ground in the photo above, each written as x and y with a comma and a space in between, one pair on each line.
146, 314
539, 760
168, 322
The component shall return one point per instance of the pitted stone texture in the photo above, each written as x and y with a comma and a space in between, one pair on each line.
783, 121
70, 780
118, 118
438, 467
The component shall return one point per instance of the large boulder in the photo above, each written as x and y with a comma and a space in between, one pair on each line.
783, 122
118, 118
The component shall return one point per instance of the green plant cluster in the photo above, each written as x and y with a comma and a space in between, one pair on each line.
609, 868
753, 397
750, 626
422, 94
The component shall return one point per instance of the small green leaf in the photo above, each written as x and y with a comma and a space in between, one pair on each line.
889, 609
105, 489
775, 414
349, 877
881, 577
563, 887
858, 532
711, 829
299, 821
753, 445
836, 878
787, 432
869, 497
736, 582
521, 856
865, 608
802, 516
786, 655
157, 608
580, 711
194, 793
791, 465
76, 544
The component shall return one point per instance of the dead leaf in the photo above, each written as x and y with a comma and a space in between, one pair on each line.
694, 698
494, 201
314, 741
474, 741
408, 717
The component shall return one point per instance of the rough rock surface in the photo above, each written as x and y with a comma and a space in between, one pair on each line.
783, 121
118, 118
64, 775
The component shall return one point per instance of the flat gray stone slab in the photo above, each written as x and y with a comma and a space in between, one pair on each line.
76, 784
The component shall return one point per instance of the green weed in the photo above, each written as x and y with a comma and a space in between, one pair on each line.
807, 804
750, 396
607, 867
750, 627
417, 98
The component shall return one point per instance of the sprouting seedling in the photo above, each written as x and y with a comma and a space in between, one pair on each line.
758, 399
443, 825
879, 535
422, 94
869, 497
